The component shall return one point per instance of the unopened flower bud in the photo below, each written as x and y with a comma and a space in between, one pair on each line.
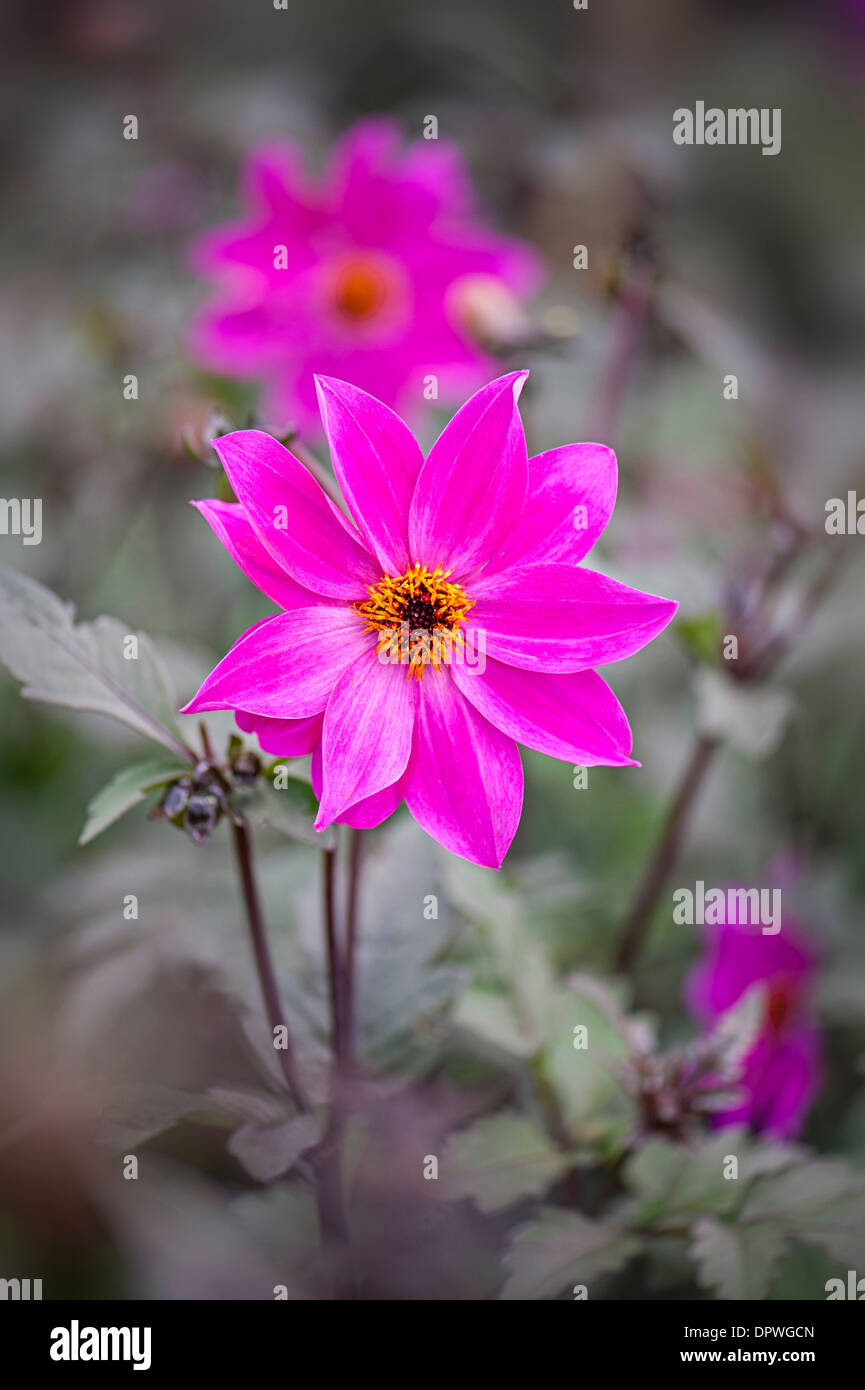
202, 814
175, 799
246, 767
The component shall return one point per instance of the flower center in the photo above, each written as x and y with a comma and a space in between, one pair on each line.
361, 289
418, 618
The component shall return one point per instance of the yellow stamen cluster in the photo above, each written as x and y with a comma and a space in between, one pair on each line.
418, 617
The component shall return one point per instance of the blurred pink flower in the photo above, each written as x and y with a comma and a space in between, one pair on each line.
374, 275
473, 552
782, 1070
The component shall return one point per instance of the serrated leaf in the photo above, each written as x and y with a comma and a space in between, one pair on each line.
500, 1159
671, 1181
737, 1261
560, 1248
762, 1158
788, 1198
805, 1189
595, 1106
82, 665
491, 1018
125, 790
820, 1201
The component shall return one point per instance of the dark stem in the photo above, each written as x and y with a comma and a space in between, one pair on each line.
666, 852
350, 1001
331, 1205
264, 962
334, 960
776, 649
205, 741
626, 335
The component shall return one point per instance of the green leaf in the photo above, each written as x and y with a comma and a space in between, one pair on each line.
819, 1201
492, 1019
741, 1227
405, 983
290, 809
145, 1109
559, 1249
518, 961
84, 666
594, 1103
672, 1182
500, 1159
125, 790
406, 987
268, 1151
737, 1261
701, 634
804, 1191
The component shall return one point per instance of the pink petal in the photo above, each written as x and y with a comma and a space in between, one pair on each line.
439, 169
229, 522
472, 487
781, 1076
293, 518
466, 782
737, 957
784, 1082
376, 205
286, 666
372, 810
377, 461
366, 740
576, 717
284, 738
279, 210
551, 527
231, 340
563, 618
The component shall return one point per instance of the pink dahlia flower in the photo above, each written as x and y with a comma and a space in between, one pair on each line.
781, 1073
449, 621
372, 276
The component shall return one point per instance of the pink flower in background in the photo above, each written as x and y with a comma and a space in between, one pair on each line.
472, 552
371, 275
781, 1072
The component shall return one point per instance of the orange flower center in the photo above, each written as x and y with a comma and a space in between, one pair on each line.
361, 290
418, 618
